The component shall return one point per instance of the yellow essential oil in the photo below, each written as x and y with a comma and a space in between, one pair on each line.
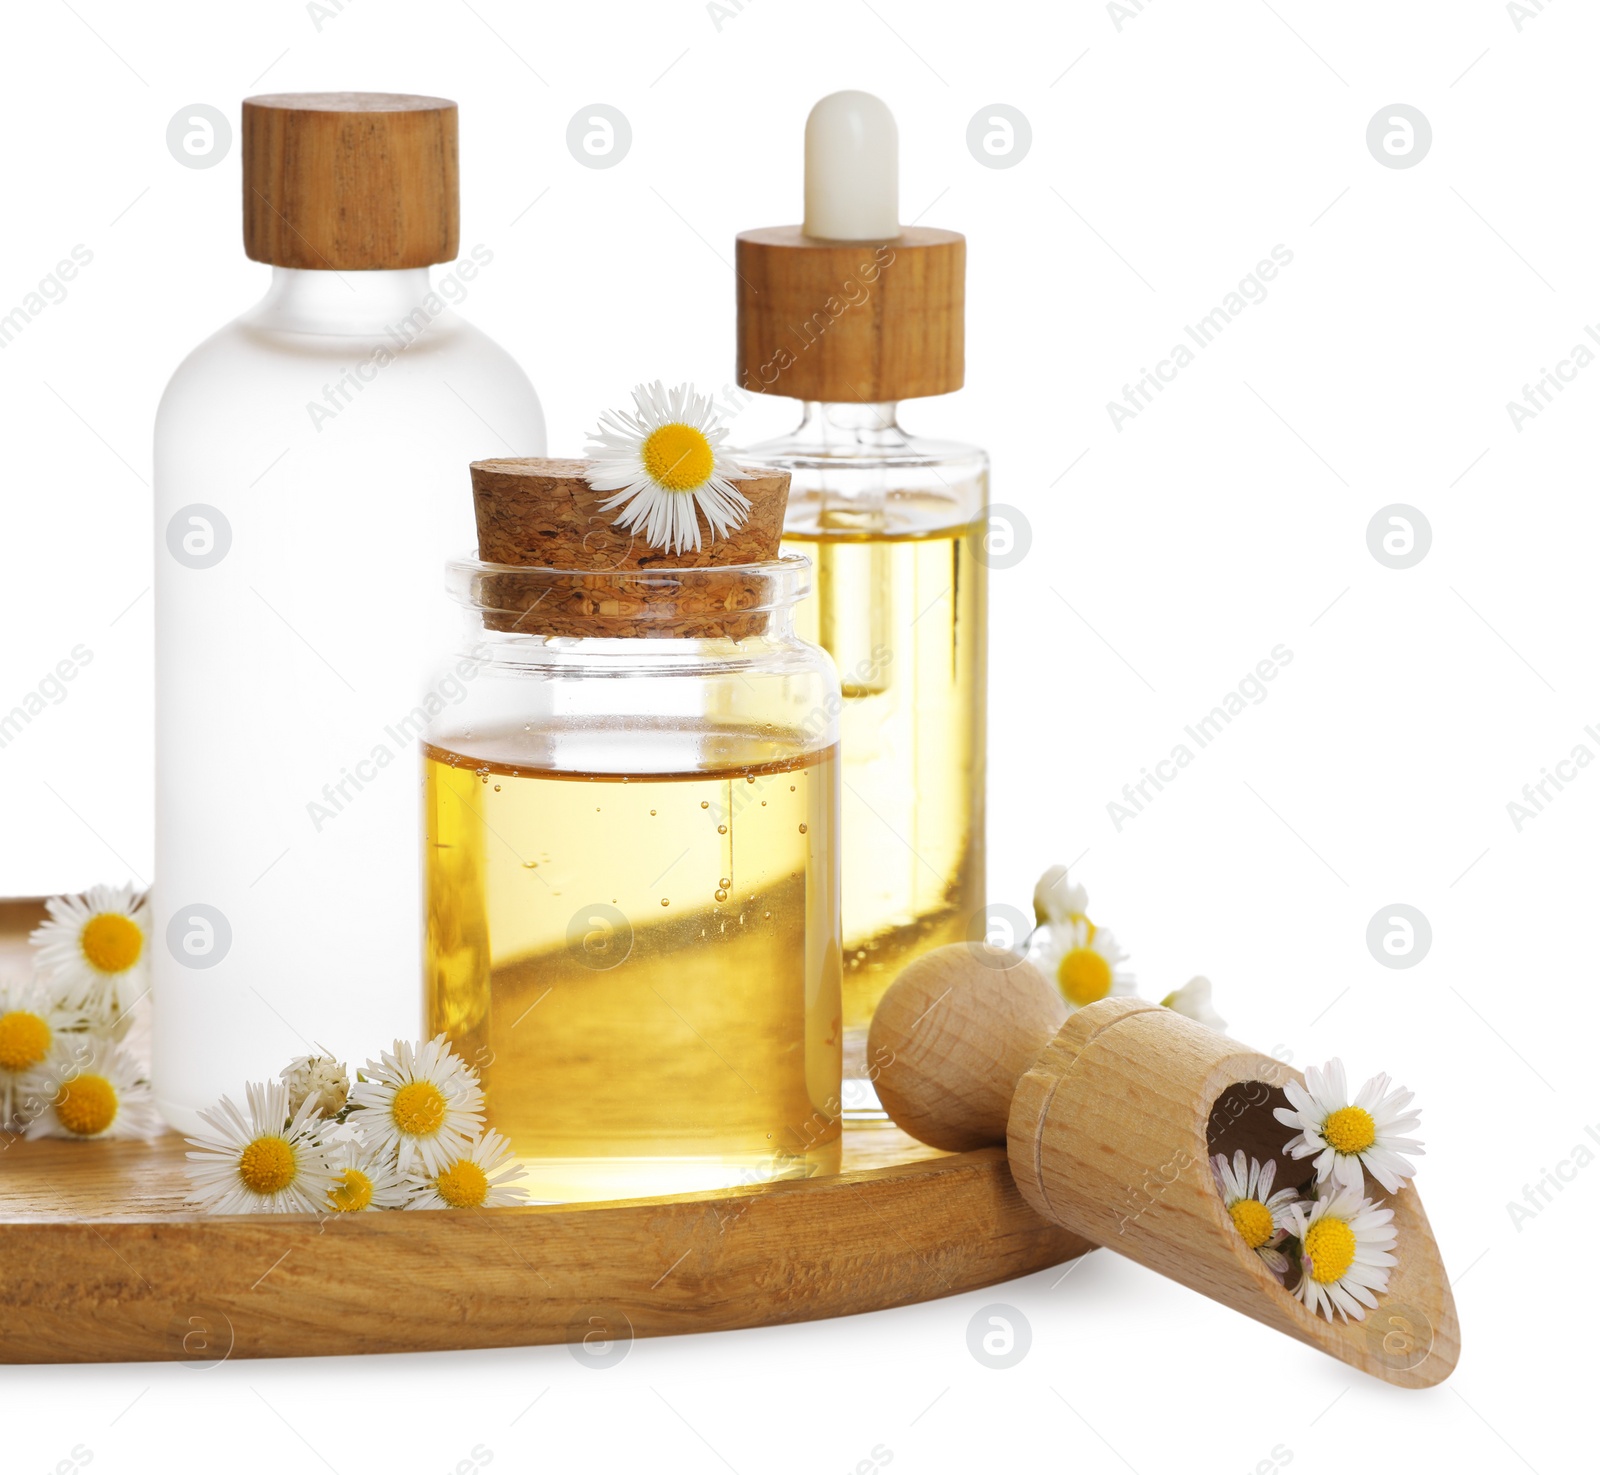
849, 314
903, 615
635, 940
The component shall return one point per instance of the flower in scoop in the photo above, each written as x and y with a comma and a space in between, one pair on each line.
1344, 1252
1261, 1216
1346, 1136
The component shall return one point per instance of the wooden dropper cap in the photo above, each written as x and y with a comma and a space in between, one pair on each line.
851, 307
350, 181
540, 513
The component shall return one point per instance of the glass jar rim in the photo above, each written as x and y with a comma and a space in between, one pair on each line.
518, 598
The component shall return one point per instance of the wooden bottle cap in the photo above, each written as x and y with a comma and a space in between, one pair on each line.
851, 321
350, 181
540, 513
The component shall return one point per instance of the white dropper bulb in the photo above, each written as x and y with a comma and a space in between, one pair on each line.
852, 169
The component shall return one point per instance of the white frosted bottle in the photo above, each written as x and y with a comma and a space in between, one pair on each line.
310, 481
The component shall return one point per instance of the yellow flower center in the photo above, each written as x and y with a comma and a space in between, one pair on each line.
111, 942
87, 1105
267, 1165
677, 457
1329, 1249
1350, 1130
418, 1108
351, 1191
1084, 976
1253, 1221
24, 1040
462, 1185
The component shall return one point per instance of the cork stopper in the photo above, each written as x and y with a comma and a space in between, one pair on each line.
350, 181
851, 322
540, 513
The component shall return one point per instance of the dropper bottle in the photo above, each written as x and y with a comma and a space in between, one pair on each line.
850, 313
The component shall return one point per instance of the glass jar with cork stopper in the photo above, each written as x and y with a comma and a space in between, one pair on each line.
632, 887
850, 313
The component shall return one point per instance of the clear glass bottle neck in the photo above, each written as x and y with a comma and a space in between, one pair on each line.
872, 426
342, 302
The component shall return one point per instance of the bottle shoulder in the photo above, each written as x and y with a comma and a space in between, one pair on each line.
878, 485
256, 334
251, 360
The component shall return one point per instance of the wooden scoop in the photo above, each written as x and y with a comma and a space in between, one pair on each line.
1110, 1118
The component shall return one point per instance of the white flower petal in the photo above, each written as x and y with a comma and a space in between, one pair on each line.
667, 518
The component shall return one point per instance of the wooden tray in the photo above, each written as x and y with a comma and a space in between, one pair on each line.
99, 1262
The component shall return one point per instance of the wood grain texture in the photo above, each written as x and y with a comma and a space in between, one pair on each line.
851, 321
1110, 1133
960, 1025
350, 181
99, 1262
1119, 1152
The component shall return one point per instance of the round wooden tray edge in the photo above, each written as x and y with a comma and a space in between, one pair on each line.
153, 1283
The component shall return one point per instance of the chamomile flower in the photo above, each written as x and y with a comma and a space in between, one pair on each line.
666, 464
93, 949
260, 1160
1193, 1001
363, 1178
1056, 900
1261, 1216
1346, 1136
32, 1017
87, 1088
1345, 1241
317, 1078
477, 1178
422, 1103
1084, 960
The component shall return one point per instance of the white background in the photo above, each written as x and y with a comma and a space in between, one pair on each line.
1170, 153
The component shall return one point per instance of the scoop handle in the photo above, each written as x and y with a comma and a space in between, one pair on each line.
952, 1036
